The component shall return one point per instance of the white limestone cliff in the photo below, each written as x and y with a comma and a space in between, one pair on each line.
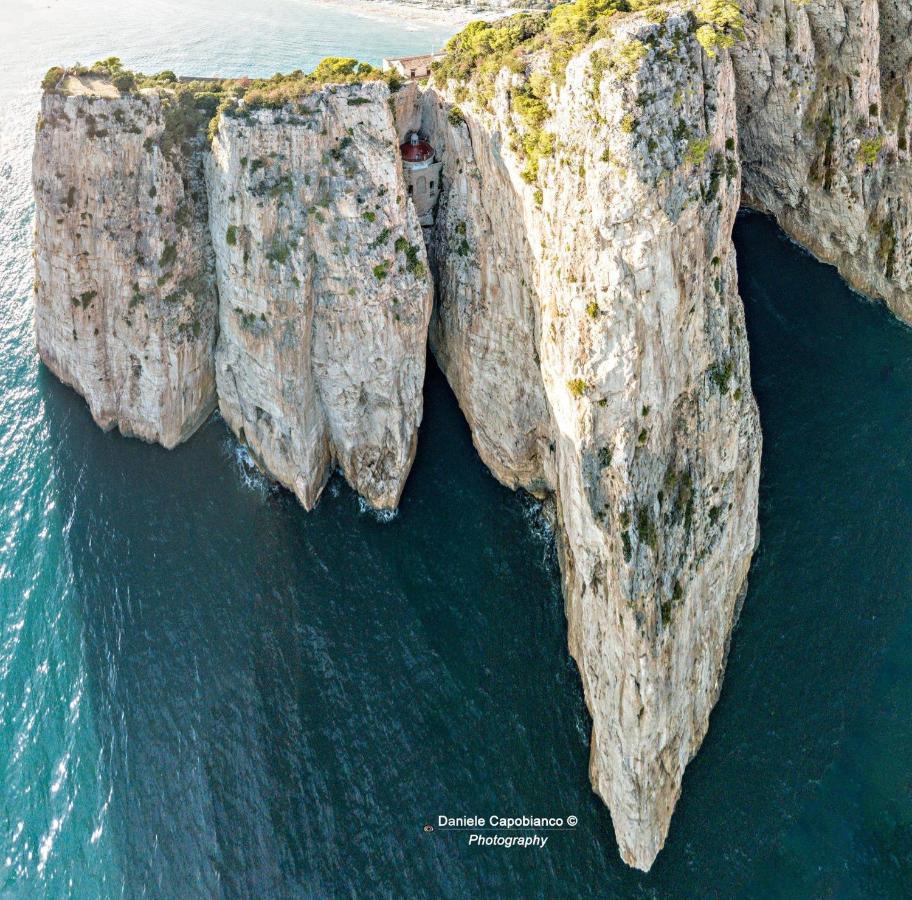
587, 312
824, 119
325, 293
590, 325
125, 306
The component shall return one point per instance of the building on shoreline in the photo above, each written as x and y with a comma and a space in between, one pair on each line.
412, 67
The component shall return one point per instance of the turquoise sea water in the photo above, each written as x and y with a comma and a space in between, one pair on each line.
205, 691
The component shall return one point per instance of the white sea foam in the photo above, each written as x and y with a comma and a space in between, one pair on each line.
381, 515
247, 469
540, 520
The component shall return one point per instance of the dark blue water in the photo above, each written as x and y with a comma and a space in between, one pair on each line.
206, 691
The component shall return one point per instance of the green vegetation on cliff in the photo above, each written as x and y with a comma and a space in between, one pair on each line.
536, 48
476, 55
192, 106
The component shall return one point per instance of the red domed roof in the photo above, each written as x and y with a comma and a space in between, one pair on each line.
416, 151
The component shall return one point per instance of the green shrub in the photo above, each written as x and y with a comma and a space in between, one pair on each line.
381, 270
646, 529
536, 145
697, 148
231, 235
628, 549
721, 24
720, 374
413, 264
168, 256
531, 110
124, 82
870, 150
626, 59
577, 387
52, 78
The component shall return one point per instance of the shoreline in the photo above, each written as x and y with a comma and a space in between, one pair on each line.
411, 13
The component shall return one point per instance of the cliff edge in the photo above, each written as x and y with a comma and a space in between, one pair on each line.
246, 242
824, 115
325, 291
257, 241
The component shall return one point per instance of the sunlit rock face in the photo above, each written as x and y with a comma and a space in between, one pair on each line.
823, 105
589, 322
125, 302
325, 292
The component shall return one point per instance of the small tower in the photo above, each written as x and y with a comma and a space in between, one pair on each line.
422, 175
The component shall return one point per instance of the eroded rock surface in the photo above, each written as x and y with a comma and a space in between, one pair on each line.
589, 322
823, 105
325, 292
125, 304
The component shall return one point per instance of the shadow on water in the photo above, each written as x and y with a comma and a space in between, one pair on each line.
797, 790
285, 699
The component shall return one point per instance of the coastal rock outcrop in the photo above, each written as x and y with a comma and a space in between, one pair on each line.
588, 319
125, 303
325, 292
824, 121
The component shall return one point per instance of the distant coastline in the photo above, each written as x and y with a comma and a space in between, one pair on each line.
419, 13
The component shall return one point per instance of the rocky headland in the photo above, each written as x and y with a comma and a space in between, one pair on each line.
256, 244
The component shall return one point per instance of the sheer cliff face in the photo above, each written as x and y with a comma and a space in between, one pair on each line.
319, 259
824, 119
125, 307
587, 318
595, 338
486, 323
324, 289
